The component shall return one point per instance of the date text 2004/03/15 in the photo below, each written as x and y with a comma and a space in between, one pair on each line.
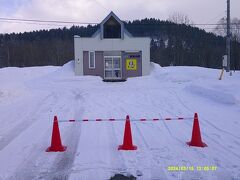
192, 168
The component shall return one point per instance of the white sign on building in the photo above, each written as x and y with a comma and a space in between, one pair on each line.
224, 61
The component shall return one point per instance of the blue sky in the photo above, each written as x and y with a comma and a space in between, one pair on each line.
204, 11
10, 6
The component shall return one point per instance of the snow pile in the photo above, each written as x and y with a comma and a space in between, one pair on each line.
67, 70
15, 74
212, 94
66, 74
181, 74
13, 81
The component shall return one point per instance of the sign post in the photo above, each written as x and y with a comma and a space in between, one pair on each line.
224, 66
224, 61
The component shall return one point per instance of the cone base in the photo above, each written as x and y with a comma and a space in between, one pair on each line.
59, 149
122, 147
200, 144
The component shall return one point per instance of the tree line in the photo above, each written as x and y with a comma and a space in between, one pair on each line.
171, 44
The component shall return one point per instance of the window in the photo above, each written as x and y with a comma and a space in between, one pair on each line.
112, 29
112, 67
108, 63
91, 59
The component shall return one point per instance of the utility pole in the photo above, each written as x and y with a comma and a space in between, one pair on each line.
228, 37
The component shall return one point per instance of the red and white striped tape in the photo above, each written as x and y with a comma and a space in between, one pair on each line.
112, 119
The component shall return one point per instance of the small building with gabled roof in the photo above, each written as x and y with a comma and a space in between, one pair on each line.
112, 52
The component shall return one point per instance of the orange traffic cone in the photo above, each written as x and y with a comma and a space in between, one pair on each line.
196, 134
56, 144
127, 139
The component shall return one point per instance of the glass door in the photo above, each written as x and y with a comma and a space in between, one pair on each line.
112, 67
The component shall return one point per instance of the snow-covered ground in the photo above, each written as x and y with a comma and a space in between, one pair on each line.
30, 97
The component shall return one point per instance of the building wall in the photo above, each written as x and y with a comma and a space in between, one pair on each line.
131, 73
99, 65
98, 44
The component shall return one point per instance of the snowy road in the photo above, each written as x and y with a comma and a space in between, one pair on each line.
28, 106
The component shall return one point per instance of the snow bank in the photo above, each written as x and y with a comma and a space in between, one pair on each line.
14, 79
15, 74
182, 74
59, 73
63, 72
67, 70
212, 94
66, 74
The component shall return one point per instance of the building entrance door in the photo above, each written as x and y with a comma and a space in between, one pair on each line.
112, 67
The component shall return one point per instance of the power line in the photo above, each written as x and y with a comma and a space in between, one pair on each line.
45, 21
3, 21
101, 5
86, 23
222, 14
61, 25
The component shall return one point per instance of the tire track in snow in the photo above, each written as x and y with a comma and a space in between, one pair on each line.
52, 165
215, 127
14, 132
156, 155
221, 145
196, 153
100, 135
136, 160
61, 167
151, 135
29, 169
121, 167
118, 161
169, 131
97, 158
204, 119
205, 122
149, 159
117, 157
128, 159
142, 136
181, 151
219, 129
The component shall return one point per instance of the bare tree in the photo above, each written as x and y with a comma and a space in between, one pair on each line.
221, 28
180, 18
235, 29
